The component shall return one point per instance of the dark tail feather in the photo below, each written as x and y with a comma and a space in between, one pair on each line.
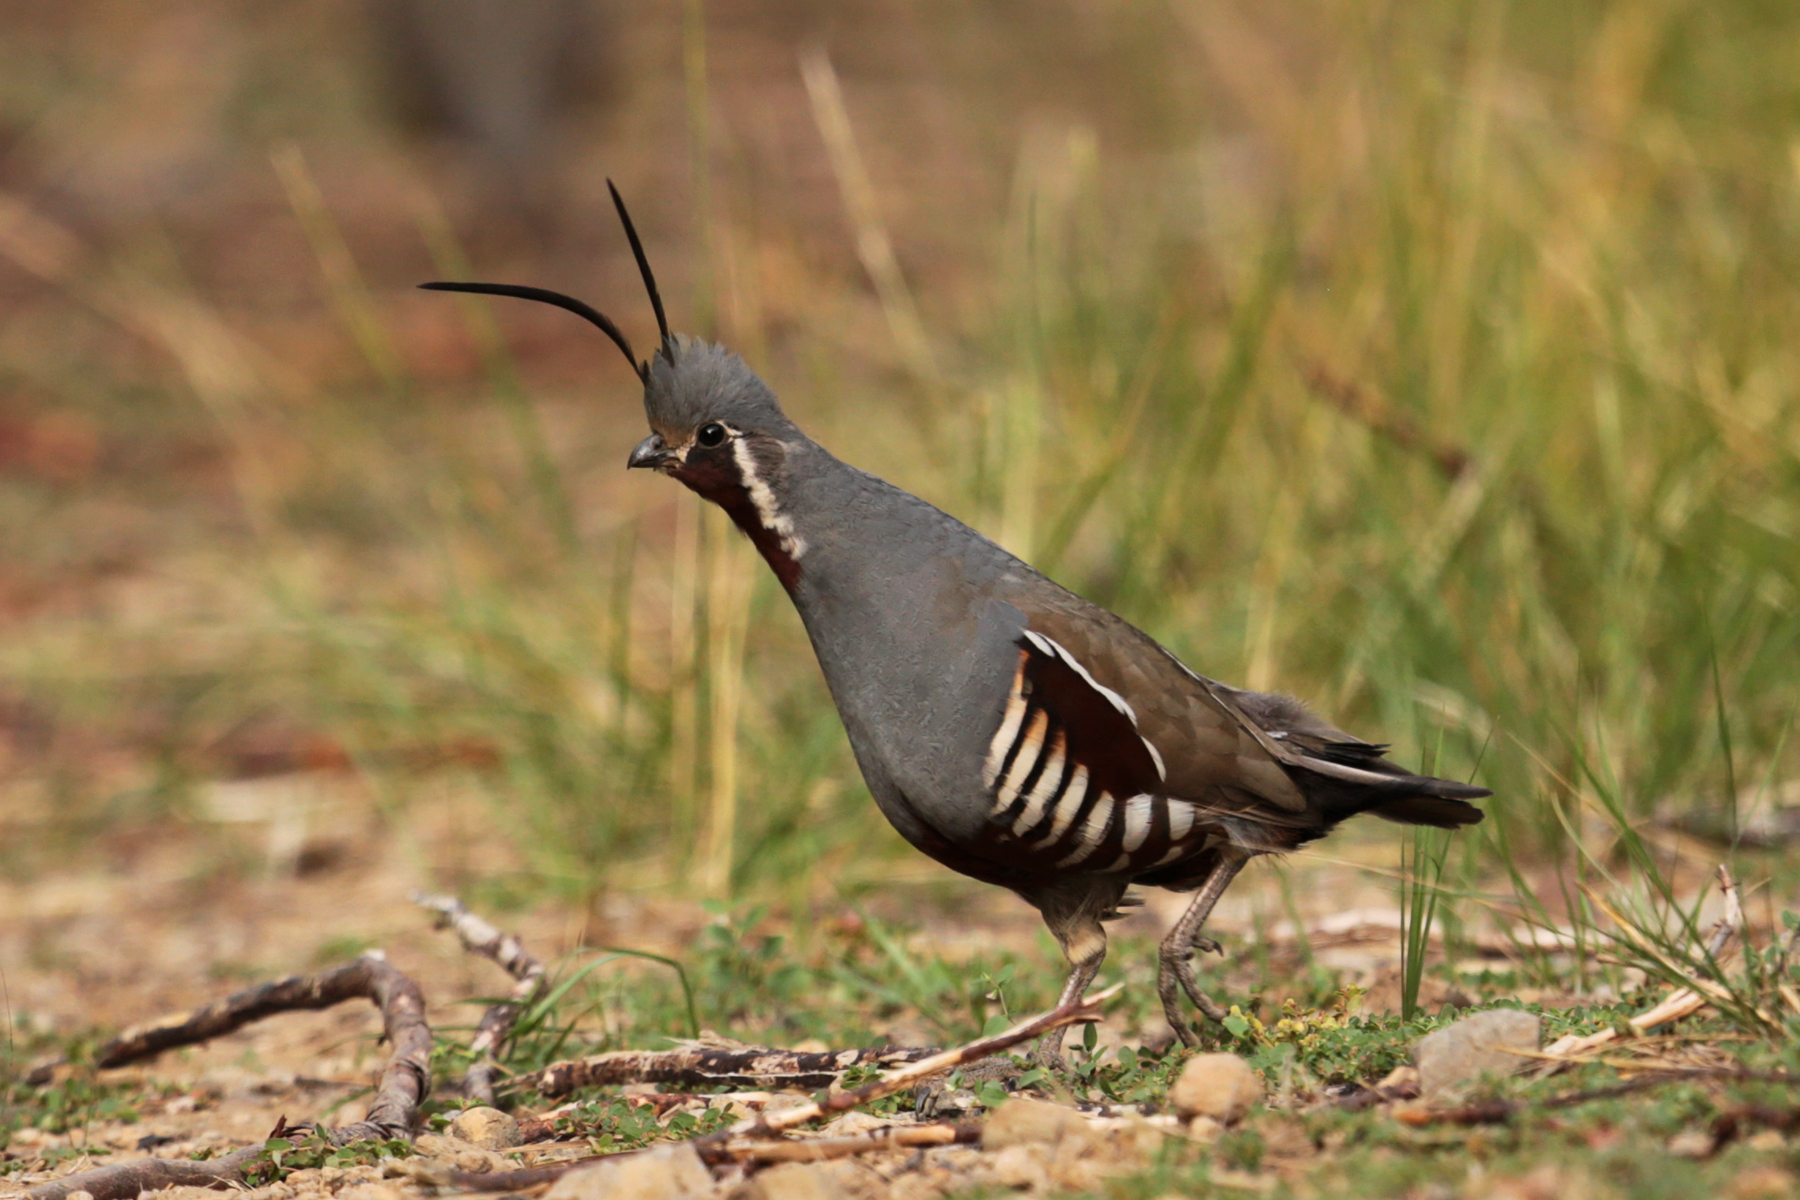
1441, 811
1390, 792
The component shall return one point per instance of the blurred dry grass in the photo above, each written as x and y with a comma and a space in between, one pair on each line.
1176, 300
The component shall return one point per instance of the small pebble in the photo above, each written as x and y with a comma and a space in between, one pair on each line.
793, 1181
1204, 1129
667, 1172
1691, 1143
371, 1191
1021, 1167
1025, 1122
1220, 1086
488, 1128
1478, 1045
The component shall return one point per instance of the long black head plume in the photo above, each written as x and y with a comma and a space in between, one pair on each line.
643, 262
546, 296
581, 309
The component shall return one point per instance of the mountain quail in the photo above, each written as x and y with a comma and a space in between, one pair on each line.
1006, 727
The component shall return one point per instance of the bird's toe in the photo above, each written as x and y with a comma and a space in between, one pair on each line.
1168, 990
1177, 974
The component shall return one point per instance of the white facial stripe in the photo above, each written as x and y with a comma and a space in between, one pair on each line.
773, 519
1140, 811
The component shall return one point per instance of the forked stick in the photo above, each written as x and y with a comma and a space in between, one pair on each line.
505, 949
394, 1112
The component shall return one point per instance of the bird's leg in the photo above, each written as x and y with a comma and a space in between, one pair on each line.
1049, 1048
1175, 968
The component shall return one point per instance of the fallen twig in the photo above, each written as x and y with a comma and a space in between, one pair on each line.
394, 1113
1085, 1009
765, 1129
721, 1064
891, 1137
126, 1180
505, 949
1494, 1112
405, 1081
1682, 1002
1569, 1049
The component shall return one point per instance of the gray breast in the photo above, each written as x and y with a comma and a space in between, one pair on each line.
917, 653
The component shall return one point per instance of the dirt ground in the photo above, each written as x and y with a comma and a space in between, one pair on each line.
170, 929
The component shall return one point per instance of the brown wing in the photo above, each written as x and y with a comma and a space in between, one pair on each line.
1065, 760
1205, 740
1074, 784
1228, 750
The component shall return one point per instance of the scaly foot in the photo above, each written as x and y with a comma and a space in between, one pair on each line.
1175, 974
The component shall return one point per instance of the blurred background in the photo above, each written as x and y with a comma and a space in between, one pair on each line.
1434, 361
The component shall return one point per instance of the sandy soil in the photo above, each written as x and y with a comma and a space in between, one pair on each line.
172, 926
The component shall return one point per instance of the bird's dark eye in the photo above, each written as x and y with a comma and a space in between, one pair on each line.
711, 435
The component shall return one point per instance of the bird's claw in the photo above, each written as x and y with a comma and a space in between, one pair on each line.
1203, 945
1176, 975
935, 1098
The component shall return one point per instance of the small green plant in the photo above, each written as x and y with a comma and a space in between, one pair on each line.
614, 1123
1420, 872
287, 1155
78, 1100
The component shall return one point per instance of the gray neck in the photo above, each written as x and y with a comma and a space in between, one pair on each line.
864, 544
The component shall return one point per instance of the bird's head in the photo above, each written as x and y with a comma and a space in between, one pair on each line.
707, 410
714, 425
710, 415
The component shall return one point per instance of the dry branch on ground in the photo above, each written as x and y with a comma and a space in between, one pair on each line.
126, 1180
719, 1063
509, 953
1682, 1002
892, 1137
743, 1140
394, 1112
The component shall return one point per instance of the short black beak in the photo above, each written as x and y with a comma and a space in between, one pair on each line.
651, 452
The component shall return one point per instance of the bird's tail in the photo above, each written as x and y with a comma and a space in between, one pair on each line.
1445, 812
1347, 778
